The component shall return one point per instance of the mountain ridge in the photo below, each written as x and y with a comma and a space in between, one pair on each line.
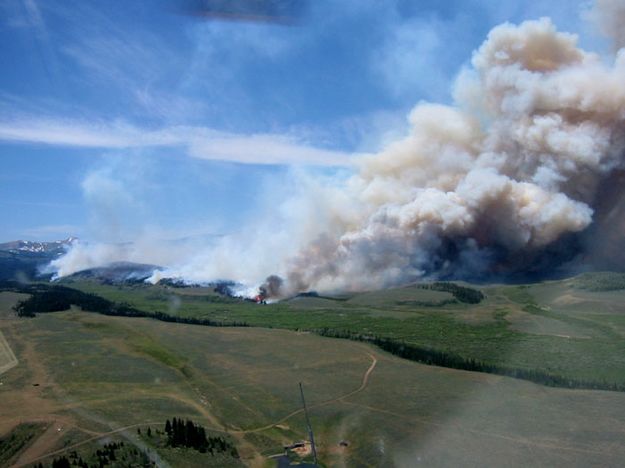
58, 246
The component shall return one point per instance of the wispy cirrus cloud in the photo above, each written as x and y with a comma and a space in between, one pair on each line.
198, 142
52, 231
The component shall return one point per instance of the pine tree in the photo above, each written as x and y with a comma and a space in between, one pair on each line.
61, 463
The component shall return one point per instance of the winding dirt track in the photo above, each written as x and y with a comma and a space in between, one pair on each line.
342, 399
91, 439
363, 385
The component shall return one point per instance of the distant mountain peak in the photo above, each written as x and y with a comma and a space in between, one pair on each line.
38, 247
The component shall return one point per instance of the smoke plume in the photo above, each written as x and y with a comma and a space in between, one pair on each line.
609, 17
520, 177
503, 183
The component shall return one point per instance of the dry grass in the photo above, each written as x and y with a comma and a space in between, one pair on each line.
100, 373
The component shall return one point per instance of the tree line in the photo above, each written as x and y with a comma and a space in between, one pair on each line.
45, 298
188, 434
433, 357
461, 293
112, 453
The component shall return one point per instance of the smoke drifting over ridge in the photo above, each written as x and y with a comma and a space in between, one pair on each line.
522, 175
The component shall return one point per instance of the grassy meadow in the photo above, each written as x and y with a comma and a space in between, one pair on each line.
98, 374
85, 380
558, 327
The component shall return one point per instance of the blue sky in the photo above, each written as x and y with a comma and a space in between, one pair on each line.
117, 117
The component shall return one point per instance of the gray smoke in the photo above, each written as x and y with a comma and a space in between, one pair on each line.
503, 183
609, 18
271, 287
522, 176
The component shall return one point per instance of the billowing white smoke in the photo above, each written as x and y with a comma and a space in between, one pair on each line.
609, 17
488, 185
83, 256
503, 182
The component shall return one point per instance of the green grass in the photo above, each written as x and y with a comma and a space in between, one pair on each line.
123, 453
158, 352
7, 301
528, 326
187, 457
114, 371
410, 295
111, 372
600, 281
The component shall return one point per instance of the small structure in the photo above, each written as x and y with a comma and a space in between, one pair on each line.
302, 448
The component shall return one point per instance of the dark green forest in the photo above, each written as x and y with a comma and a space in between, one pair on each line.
53, 298
433, 357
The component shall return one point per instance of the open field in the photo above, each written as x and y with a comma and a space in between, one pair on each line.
7, 357
7, 301
556, 327
92, 379
20, 437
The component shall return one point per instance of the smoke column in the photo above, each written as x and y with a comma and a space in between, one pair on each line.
523, 175
504, 183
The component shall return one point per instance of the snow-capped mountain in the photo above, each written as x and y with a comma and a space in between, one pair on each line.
52, 248
23, 260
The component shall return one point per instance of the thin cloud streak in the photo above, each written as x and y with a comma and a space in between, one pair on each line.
54, 230
38, 204
200, 142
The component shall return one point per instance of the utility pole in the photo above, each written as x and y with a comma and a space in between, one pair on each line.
310, 431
